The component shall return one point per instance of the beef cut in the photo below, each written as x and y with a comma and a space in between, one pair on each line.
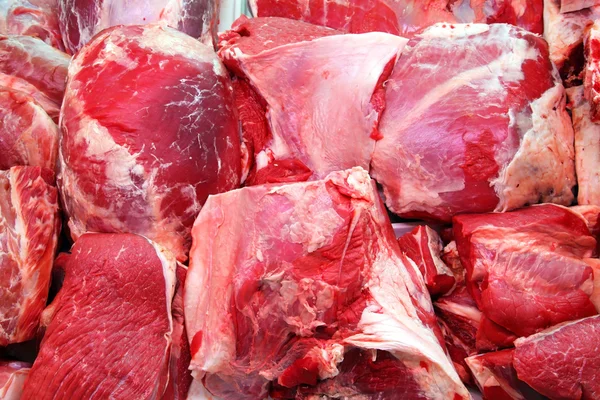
562, 362
424, 247
591, 71
110, 330
12, 378
487, 129
567, 6
149, 130
80, 20
587, 147
29, 226
309, 296
30, 65
564, 33
37, 18
526, 270
403, 17
309, 97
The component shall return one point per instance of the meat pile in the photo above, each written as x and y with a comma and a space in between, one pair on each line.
333, 200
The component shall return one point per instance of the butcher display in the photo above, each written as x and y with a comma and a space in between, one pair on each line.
403, 17
587, 148
526, 270
486, 131
564, 32
12, 378
30, 65
29, 227
149, 130
37, 18
309, 296
110, 325
81, 20
308, 131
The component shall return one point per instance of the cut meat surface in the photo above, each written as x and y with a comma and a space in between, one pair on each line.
29, 226
526, 269
587, 148
488, 129
404, 17
564, 33
28, 136
424, 246
149, 131
316, 300
30, 65
324, 110
37, 18
591, 71
567, 6
113, 310
562, 362
12, 378
80, 20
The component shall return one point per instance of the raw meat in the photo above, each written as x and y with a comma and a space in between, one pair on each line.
497, 379
575, 5
322, 112
30, 65
149, 131
526, 269
564, 34
591, 71
424, 247
316, 298
28, 136
111, 326
81, 20
404, 17
12, 378
37, 18
562, 362
487, 129
29, 226
587, 148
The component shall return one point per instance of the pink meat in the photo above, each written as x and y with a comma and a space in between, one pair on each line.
309, 295
149, 131
28, 136
310, 99
30, 65
562, 362
587, 147
567, 6
110, 332
526, 269
424, 246
482, 133
37, 18
29, 226
80, 20
12, 378
404, 17
591, 71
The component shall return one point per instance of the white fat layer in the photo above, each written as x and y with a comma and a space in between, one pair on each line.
471, 313
446, 30
13, 387
197, 391
543, 167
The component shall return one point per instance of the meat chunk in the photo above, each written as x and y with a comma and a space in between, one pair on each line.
29, 226
12, 378
591, 71
322, 93
567, 6
81, 20
113, 310
149, 131
487, 130
587, 148
562, 362
28, 136
316, 298
564, 33
37, 18
424, 247
404, 17
526, 269
30, 65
